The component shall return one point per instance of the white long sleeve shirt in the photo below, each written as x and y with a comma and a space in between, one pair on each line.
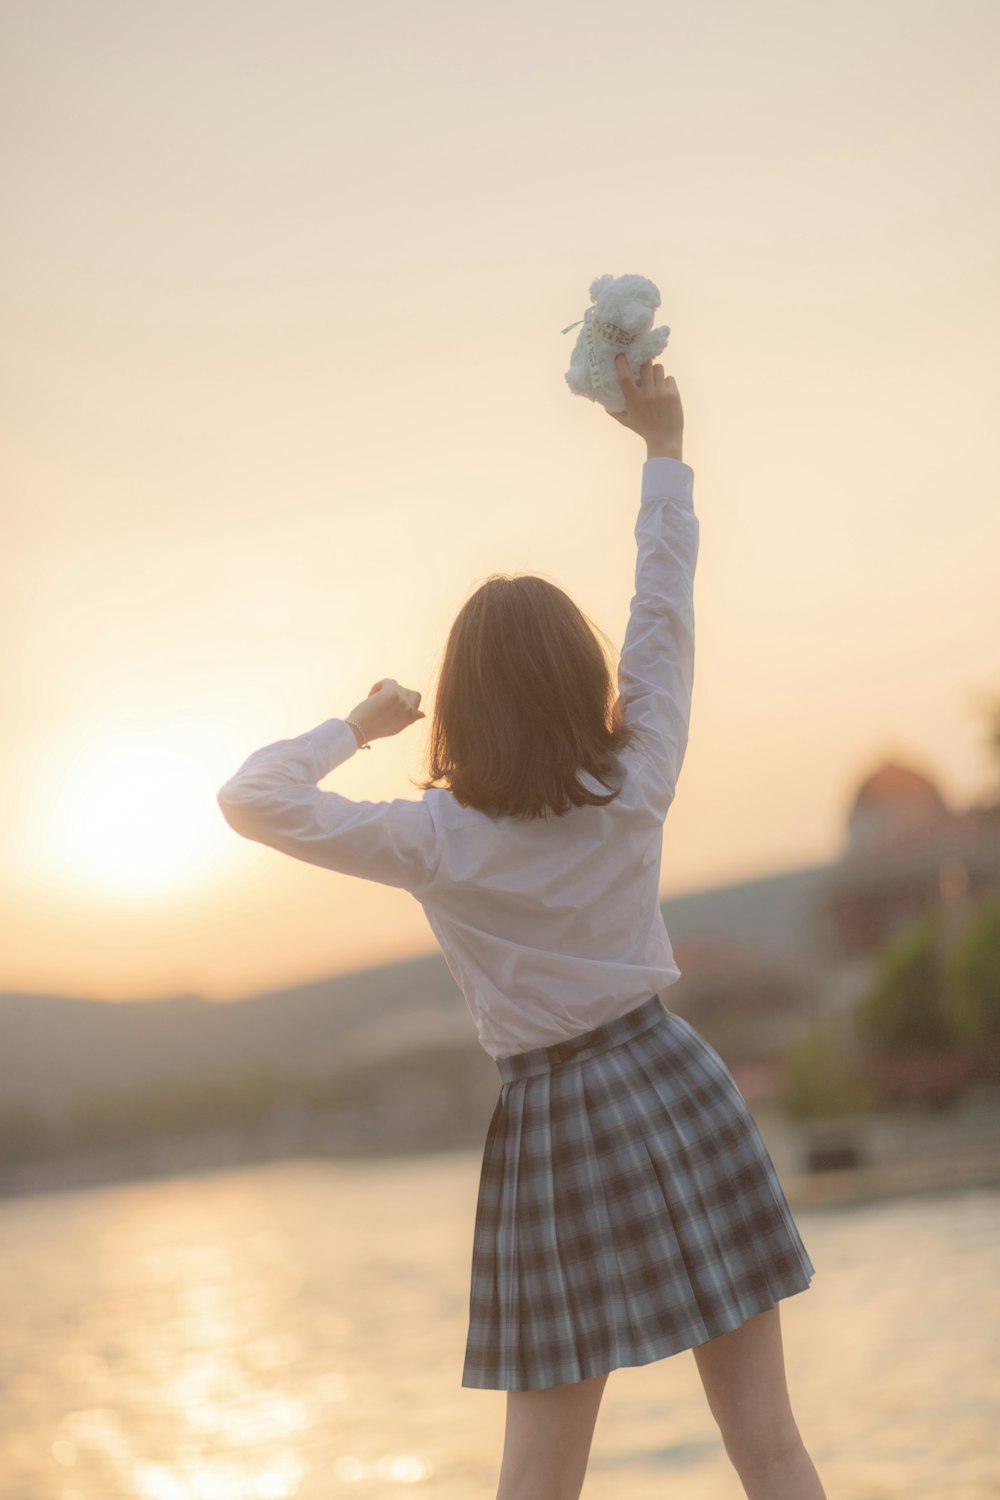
549, 926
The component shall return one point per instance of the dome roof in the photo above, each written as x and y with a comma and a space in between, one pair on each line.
895, 787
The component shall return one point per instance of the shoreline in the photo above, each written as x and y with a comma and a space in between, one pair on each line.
845, 1186
956, 1167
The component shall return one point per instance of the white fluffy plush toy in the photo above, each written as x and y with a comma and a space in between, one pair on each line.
620, 322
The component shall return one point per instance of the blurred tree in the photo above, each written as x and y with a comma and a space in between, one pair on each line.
977, 973
821, 1075
994, 733
907, 1008
991, 710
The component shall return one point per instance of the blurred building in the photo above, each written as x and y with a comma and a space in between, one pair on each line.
907, 852
760, 957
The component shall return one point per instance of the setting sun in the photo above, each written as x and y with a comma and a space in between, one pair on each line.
131, 814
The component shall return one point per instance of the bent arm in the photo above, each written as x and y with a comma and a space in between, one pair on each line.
273, 799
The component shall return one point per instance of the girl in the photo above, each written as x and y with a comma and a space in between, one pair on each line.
628, 1207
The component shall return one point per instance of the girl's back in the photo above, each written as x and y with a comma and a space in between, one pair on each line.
553, 925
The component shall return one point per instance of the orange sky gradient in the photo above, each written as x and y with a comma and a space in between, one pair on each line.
283, 380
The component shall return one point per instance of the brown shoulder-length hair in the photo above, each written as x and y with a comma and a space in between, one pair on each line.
525, 700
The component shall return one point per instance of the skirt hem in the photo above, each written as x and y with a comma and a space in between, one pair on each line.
660, 1350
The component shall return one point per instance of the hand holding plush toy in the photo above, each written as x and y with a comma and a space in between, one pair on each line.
619, 322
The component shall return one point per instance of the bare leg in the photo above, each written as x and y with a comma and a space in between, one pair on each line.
547, 1440
743, 1373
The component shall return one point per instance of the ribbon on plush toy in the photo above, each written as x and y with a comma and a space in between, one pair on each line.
610, 331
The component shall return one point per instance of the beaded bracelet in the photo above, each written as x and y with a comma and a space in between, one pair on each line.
357, 726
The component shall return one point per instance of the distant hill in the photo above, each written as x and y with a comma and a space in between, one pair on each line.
58, 1051
783, 916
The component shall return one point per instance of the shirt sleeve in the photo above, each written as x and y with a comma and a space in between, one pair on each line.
273, 799
656, 669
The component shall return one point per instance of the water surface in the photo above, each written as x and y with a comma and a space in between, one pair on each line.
295, 1331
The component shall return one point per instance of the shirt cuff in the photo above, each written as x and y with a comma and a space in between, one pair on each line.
334, 739
667, 478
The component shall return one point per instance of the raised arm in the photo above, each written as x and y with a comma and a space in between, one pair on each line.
656, 671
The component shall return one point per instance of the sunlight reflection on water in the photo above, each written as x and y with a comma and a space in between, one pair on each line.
295, 1331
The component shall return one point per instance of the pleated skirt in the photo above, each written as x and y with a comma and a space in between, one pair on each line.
628, 1207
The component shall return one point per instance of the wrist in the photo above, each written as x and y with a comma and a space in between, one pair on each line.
664, 450
358, 722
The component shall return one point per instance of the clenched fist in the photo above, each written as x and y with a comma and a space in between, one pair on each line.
387, 709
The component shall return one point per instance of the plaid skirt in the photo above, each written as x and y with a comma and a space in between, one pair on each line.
628, 1207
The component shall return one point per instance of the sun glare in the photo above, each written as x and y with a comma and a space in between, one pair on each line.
130, 814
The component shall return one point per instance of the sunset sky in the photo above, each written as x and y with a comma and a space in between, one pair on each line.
283, 381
